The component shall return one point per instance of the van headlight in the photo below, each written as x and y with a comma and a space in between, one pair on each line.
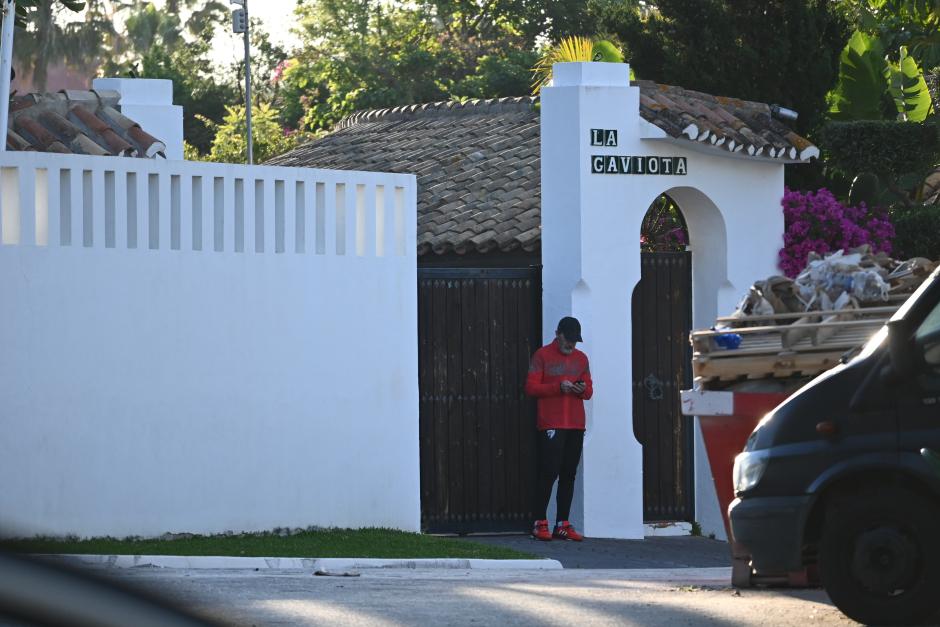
748, 469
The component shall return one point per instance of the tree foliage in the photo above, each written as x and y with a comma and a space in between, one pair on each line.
362, 54
776, 51
912, 24
26, 10
230, 144
893, 158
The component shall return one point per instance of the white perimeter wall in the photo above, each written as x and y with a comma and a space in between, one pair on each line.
200, 348
591, 257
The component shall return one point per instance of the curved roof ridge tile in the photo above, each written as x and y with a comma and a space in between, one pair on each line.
441, 107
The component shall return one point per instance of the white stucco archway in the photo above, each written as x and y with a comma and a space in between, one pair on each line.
596, 189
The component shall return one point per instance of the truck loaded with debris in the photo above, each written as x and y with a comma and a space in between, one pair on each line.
783, 334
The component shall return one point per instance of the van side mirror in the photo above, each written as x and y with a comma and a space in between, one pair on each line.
901, 349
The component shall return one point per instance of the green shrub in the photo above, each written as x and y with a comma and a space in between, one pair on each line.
917, 231
892, 150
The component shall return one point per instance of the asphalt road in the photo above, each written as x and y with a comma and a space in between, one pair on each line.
479, 597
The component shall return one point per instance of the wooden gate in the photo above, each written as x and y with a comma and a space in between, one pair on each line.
662, 319
477, 329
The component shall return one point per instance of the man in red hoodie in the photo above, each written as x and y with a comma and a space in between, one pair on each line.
559, 377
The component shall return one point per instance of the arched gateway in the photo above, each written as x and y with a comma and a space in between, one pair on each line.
603, 163
506, 187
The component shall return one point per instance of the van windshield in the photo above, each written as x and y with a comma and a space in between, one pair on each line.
930, 327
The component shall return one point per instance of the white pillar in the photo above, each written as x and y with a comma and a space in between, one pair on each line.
590, 253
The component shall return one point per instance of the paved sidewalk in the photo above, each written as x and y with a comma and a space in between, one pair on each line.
652, 552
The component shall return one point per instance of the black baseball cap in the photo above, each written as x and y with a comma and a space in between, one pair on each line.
570, 328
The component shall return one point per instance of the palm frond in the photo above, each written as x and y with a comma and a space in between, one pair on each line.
568, 50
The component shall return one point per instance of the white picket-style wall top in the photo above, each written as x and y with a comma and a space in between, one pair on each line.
52, 200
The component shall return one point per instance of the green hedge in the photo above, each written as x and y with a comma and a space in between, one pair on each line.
917, 231
888, 149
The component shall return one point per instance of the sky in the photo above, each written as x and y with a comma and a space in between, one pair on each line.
277, 16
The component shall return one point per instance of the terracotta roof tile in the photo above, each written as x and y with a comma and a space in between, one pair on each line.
77, 121
478, 162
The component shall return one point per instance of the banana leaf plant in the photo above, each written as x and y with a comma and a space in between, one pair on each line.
571, 50
873, 87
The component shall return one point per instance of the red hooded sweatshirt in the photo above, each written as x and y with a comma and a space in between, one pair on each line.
549, 367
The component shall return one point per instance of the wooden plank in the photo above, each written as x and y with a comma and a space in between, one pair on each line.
426, 398
816, 314
524, 425
675, 379
469, 372
666, 460
757, 367
836, 344
781, 328
534, 342
454, 394
499, 414
512, 406
650, 449
441, 389
530, 341
426, 403
659, 451
484, 456
825, 333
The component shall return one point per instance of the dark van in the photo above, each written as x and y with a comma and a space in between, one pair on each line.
841, 474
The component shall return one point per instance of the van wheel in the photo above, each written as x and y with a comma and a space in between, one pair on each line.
879, 556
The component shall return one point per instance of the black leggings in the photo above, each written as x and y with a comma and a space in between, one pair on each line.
559, 453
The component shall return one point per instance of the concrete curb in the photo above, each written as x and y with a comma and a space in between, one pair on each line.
300, 563
667, 529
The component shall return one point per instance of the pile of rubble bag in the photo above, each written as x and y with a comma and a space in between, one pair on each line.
857, 278
796, 328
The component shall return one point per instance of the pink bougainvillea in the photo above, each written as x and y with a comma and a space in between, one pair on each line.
818, 222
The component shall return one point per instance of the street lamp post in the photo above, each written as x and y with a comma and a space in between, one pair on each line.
240, 25
6, 62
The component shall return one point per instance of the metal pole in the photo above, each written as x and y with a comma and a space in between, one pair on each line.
6, 63
251, 157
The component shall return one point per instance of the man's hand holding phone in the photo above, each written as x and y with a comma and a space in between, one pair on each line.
569, 387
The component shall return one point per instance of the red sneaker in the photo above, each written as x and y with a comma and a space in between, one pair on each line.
540, 531
564, 531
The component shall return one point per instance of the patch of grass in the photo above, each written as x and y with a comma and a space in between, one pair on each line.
376, 543
696, 528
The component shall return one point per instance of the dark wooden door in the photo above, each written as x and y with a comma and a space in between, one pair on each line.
662, 319
477, 329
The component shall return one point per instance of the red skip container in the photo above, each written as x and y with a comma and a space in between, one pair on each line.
727, 419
